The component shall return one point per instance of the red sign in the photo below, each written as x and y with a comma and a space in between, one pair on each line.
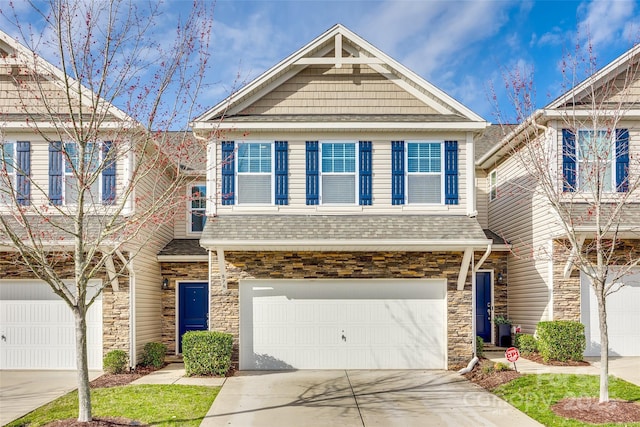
512, 354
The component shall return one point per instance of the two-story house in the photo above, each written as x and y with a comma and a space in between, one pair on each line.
341, 221
544, 283
38, 161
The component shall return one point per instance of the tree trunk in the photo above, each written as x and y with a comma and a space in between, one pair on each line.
84, 393
604, 348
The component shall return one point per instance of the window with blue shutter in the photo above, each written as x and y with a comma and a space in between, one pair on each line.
108, 174
312, 182
55, 173
568, 161
228, 171
451, 172
282, 172
23, 172
365, 185
622, 160
397, 172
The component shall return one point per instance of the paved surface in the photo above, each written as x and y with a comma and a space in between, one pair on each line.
23, 391
358, 398
175, 374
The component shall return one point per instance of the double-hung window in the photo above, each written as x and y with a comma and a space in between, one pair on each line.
75, 177
8, 171
254, 174
424, 173
595, 160
493, 185
197, 205
339, 172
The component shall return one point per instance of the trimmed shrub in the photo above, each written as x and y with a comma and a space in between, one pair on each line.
526, 343
115, 362
207, 352
479, 346
153, 354
561, 340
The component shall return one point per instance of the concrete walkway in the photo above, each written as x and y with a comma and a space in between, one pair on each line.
174, 373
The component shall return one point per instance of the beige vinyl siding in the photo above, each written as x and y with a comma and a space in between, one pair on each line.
625, 88
381, 175
352, 89
482, 198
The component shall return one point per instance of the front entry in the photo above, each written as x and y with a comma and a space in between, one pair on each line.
193, 309
483, 305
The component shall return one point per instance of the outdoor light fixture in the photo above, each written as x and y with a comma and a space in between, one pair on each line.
500, 278
165, 284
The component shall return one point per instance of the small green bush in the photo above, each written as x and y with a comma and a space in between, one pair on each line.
500, 366
487, 369
115, 362
479, 346
526, 343
207, 352
561, 340
153, 354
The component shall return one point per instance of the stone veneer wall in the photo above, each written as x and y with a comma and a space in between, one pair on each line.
357, 265
566, 292
115, 304
175, 272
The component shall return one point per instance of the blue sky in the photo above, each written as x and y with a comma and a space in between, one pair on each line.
459, 46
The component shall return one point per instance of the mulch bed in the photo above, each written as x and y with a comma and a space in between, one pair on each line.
114, 380
490, 380
535, 357
588, 410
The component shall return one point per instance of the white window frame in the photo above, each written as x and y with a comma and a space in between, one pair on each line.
355, 173
191, 209
237, 173
493, 185
12, 176
97, 199
611, 161
407, 173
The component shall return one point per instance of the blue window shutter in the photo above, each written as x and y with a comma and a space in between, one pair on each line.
451, 172
55, 173
228, 173
108, 174
622, 160
365, 173
282, 172
312, 180
568, 161
397, 172
23, 172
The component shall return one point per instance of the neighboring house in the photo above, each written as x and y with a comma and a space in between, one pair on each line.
342, 229
37, 327
542, 283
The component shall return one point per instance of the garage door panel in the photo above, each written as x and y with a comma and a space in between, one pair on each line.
343, 324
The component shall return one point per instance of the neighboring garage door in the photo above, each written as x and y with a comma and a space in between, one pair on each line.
343, 324
38, 330
623, 318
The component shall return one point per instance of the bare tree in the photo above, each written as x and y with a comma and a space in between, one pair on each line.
121, 82
580, 167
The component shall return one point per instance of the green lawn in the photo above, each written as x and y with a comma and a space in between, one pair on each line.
163, 405
535, 394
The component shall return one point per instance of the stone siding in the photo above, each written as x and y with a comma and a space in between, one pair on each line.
115, 304
358, 265
175, 272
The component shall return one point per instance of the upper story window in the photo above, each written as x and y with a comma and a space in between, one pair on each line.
197, 205
254, 176
424, 172
597, 161
338, 172
68, 176
493, 185
255, 173
15, 171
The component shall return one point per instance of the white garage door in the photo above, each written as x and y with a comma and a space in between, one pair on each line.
38, 330
343, 324
623, 318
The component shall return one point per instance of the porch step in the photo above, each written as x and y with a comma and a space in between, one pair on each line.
494, 348
173, 358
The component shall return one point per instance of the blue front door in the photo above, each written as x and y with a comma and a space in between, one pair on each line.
193, 310
483, 305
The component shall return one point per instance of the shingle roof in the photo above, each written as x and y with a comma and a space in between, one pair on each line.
183, 247
489, 138
393, 231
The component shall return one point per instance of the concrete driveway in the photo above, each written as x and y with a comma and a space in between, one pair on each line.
23, 391
358, 398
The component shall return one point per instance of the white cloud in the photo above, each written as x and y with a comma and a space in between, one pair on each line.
604, 21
